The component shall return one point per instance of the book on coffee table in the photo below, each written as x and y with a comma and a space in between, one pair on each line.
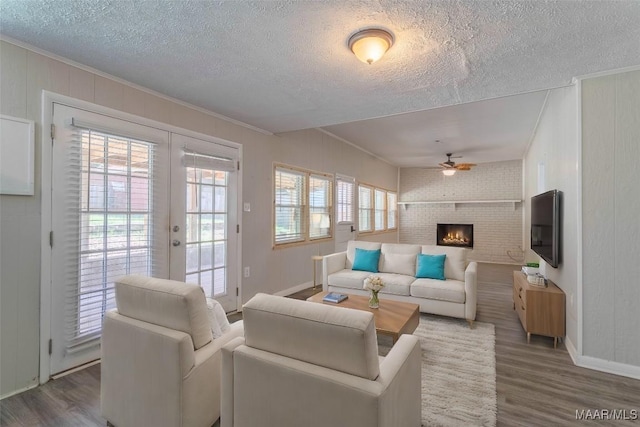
334, 297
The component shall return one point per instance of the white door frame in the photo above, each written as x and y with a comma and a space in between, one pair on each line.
48, 99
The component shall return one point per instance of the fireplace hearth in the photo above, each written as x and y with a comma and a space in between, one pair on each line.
460, 235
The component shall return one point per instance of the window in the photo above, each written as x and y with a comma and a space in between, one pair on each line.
365, 208
380, 209
344, 202
377, 209
303, 204
392, 210
289, 206
319, 207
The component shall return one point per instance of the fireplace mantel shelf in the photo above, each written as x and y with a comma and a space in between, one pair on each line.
459, 202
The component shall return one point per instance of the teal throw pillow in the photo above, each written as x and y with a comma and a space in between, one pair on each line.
430, 267
366, 260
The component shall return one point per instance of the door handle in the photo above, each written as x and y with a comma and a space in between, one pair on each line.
353, 229
176, 243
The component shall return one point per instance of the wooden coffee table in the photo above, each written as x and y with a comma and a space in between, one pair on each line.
393, 318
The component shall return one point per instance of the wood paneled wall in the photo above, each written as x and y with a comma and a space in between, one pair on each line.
24, 74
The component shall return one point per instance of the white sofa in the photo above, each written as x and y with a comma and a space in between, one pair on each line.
160, 364
455, 297
307, 364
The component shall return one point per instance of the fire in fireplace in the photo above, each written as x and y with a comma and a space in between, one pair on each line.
460, 235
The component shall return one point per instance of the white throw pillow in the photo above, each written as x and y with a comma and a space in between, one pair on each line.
399, 264
217, 318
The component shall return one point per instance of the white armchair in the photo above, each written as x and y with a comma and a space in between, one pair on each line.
160, 365
308, 364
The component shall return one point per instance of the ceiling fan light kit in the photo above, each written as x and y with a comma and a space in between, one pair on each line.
450, 167
369, 45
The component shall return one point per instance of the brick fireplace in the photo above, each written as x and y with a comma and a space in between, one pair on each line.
459, 235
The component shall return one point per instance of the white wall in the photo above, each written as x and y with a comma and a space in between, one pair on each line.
24, 74
555, 144
611, 218
497, 226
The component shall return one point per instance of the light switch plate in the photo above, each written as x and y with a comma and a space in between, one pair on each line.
247, 207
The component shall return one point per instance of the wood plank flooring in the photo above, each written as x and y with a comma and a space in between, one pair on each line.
536, 385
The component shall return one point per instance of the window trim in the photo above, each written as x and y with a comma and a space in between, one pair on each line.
306, 239
386, 210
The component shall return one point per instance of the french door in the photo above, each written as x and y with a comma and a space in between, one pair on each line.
132, 199
204, 225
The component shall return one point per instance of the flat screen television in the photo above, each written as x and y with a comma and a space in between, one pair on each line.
545, 226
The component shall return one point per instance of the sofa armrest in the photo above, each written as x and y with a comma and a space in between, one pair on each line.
471, 290
400, 375
226, 401
146, 364
331, 264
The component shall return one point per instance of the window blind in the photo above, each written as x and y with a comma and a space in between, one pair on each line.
365, 208
319, 207
205, 161
290, 224
109, 208
380, 209
344, 202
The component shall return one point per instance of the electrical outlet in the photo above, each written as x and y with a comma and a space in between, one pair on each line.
247, 272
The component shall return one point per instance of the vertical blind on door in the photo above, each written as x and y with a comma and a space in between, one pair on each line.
110, 194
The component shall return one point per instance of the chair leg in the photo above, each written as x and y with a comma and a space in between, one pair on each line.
470, 323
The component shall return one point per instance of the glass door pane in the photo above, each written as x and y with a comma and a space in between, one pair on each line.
206, 231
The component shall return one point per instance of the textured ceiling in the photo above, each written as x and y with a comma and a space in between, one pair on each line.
285, 65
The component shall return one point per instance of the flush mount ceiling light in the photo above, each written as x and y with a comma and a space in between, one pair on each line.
448, 172
369, 45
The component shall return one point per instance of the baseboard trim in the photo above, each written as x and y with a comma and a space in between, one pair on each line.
571, 349
20, 390
294, 289
609, 366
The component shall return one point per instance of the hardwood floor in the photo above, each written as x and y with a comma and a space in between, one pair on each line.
536, 385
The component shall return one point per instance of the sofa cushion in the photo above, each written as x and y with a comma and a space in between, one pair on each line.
430, 266
337, 338
398, 263
443, 290
400, 248
348, 279
351, 249
366, 260
456, 262
396, 284
168, 303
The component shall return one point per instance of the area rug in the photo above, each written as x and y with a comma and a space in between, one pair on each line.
458, 372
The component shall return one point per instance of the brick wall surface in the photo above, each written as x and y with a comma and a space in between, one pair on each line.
497, 227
